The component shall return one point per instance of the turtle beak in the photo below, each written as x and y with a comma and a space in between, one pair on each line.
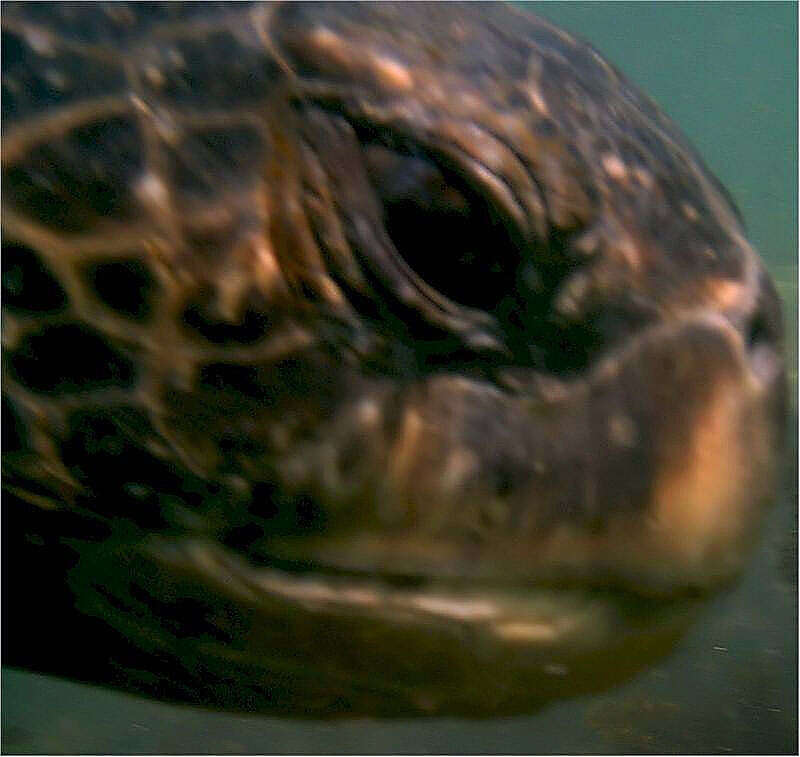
651, 472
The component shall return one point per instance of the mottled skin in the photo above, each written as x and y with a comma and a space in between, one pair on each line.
363, 358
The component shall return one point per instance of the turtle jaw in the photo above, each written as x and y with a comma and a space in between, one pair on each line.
522, 595
438, 648
650, 473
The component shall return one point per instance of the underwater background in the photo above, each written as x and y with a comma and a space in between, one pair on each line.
727, 74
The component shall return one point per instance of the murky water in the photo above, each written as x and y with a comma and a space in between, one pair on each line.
727, 74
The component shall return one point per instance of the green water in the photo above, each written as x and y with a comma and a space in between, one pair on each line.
727, 74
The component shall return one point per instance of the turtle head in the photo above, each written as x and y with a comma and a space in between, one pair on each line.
366, 357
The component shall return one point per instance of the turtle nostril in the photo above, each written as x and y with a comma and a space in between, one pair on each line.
758, 332
764, 325
763, 348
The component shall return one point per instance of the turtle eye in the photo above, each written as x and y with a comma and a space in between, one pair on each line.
444, 230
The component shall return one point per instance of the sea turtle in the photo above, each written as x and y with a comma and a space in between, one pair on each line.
363, 358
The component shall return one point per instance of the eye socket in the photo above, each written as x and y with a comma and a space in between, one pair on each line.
443, 229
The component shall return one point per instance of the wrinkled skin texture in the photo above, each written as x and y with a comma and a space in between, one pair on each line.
364, 358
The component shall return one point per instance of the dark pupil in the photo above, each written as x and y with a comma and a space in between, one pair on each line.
443, 230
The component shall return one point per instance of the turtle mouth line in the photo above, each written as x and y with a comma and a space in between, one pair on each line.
511, 611
436, 647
